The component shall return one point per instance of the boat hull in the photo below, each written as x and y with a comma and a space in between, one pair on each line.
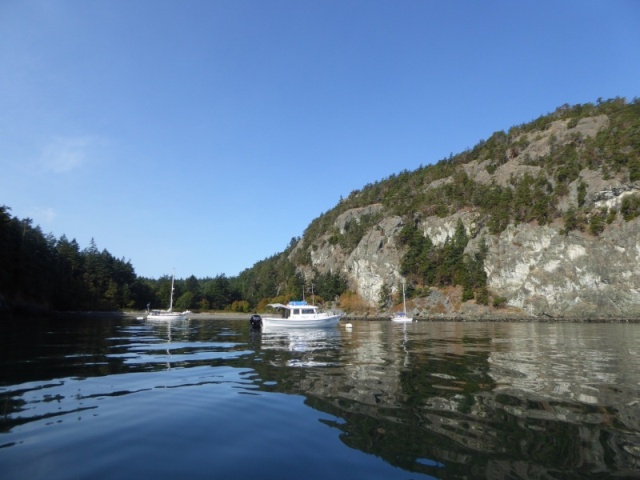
402, 320
315, 322
164, 317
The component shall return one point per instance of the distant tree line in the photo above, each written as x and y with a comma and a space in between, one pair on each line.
276, 280
272, 280
41, 272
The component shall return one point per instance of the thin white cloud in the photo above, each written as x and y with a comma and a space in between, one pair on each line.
64, 154
44, 215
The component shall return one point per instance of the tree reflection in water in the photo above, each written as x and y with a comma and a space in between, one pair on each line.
499, 400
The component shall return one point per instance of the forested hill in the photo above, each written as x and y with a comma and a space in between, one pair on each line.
541, 218
521, 220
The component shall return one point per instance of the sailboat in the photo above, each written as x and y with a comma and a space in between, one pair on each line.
167, 314
402, 316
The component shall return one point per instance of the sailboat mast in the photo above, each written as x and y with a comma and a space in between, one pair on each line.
171, 300
404, 300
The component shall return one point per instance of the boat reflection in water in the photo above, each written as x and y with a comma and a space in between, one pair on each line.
305, 347
169, 351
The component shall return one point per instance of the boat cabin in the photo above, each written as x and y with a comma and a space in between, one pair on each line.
295, 308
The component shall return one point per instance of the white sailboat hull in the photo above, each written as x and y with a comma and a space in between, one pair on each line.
166, 316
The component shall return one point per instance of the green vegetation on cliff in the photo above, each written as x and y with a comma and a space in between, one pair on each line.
428, 265
445, 188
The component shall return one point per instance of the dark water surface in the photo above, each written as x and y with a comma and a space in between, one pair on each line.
124, 399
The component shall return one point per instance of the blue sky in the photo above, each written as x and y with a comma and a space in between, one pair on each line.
204, 135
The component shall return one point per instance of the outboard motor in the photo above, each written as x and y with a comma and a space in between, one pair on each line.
256, 321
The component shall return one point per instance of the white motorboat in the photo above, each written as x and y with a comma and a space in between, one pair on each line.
299, 314
402, 316
167, 315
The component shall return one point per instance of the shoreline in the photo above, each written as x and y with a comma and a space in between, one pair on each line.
373, 318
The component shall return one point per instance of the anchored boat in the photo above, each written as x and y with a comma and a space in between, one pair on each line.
402, 316
167, 314
298, 314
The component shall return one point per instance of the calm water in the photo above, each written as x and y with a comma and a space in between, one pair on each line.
123, 399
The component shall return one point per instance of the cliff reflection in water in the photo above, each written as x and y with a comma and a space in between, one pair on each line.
494, 400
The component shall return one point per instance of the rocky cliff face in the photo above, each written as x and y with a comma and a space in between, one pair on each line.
544, 272
539, 270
